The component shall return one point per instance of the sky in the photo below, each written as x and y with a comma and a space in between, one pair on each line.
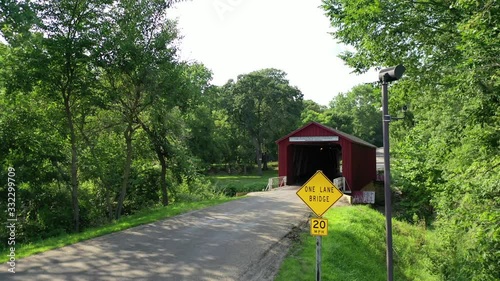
233, 37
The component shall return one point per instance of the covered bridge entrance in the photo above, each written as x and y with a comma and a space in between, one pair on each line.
343, 158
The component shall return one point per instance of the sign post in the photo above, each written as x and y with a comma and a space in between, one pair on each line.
319, 194
318, 257
319, 228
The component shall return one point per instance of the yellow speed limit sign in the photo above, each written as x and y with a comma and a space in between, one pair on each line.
319, 227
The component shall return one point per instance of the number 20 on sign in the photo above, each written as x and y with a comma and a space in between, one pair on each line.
319, 227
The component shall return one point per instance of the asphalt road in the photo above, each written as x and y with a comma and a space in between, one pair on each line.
239, 240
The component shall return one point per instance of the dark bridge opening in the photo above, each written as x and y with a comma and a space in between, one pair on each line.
309, 158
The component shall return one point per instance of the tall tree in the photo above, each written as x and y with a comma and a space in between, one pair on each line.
57, 38
266, 106
312, 112
447, 156
202, 141
141, 71
357, 112
31, 145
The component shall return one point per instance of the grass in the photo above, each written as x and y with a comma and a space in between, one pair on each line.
355, 249
143, 217
246, 179
232, 184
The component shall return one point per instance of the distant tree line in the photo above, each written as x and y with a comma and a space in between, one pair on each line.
356, 112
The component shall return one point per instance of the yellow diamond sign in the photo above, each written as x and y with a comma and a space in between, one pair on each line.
319, 193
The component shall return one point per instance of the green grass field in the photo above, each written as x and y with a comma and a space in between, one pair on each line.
232, 184
354, 249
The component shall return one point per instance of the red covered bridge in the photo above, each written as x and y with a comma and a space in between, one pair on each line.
339, 155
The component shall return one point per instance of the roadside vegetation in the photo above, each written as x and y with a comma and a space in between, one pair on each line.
220, 188
100, 118
145, 216
446, 149
354, 249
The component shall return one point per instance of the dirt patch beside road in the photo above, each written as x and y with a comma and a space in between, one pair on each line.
269, 263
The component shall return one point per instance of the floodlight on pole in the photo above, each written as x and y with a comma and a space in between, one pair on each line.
385, 76
391, 74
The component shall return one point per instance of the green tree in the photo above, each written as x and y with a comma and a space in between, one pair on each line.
162, 122
54, 41
90, 93
446, 162
312, 112
29, 144
235, 149
266, 107
203, 140
139, 65
357, 112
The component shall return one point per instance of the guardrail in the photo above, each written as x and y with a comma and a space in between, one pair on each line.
275, 182
342, 184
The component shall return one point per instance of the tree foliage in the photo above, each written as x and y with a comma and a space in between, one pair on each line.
100, 118
356, 112
139, 71
265, 106
446, 152
93, 101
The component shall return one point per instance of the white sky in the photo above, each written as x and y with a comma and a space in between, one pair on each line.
233, 37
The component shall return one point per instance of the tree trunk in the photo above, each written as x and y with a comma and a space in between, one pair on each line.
264, 162
161, 157
163, 179
109, 206
74, 163
258, 153
126, 171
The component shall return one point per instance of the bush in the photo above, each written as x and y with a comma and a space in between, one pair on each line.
144, 190
42, 214
230, 189
195, 188
468, 225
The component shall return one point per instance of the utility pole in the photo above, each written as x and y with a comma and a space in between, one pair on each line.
385, 76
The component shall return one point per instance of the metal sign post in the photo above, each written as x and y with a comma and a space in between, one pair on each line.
319, 228
319, 194
318, 257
